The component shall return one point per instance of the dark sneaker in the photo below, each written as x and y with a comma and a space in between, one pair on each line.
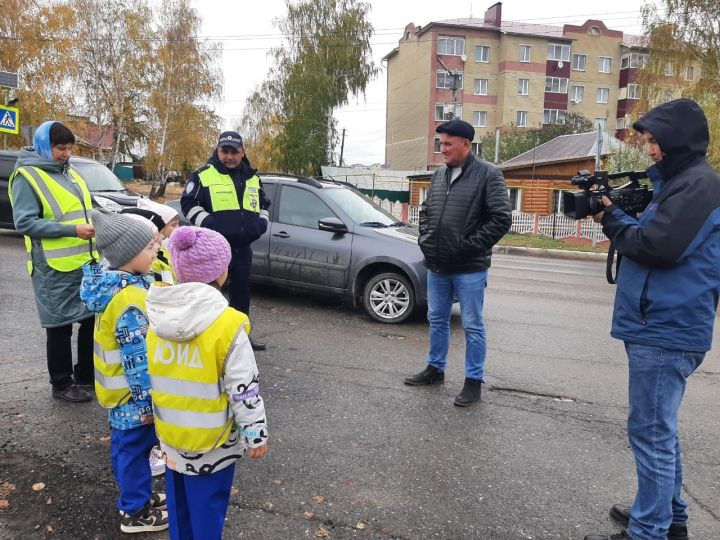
619, 536
257, 345
72, 393
158, 501
621, 514
148, 519
430, 375
469, 394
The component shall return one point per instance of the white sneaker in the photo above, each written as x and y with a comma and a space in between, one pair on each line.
157, 463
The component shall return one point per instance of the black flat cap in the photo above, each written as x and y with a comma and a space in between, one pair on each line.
458, 128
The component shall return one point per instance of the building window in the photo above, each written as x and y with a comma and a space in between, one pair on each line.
669, 69
436, 146
558, 51
477, 149
454, 46
577, 94
621, 123
444, 111
604, 64
422, 194
515, 199
479, 118
594, 31
524, 53
480, 88
633, 91
689, 72
579, 62
521, 119
482, 53
443, 79
633, 60
557, 85
554, 116
603, 95
523, 87
601, 123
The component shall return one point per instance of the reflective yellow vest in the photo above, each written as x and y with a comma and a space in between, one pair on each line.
162, 270
67, 253
223, 195
191, 408
111, 386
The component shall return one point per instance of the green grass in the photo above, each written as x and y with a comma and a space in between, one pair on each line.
543, 242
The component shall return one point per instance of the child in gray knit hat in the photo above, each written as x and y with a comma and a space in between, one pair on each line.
116, 294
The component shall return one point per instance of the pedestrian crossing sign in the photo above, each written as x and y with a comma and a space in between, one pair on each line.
9, 120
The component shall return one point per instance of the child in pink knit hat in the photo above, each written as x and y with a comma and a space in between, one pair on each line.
205, 384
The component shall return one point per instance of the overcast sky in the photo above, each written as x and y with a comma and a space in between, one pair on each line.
247, 33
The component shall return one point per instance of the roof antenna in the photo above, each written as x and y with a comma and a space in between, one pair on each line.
471, 10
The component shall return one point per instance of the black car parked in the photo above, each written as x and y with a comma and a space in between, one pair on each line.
328, 237
106, 189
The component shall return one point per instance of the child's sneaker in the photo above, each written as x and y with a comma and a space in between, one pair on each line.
157, 463
147, 519
158, 501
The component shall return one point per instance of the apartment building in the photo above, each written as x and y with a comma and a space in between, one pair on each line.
494, 73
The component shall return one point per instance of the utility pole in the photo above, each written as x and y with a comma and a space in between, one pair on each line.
342, 147
455, 85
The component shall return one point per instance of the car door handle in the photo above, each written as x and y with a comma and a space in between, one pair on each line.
282, 234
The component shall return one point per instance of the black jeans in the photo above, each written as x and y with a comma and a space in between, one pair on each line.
59, 354
239, 279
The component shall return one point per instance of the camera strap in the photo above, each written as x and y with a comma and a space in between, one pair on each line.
608, 268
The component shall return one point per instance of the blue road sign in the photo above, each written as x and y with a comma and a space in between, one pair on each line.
9, 120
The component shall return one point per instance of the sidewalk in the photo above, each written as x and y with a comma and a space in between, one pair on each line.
552, 253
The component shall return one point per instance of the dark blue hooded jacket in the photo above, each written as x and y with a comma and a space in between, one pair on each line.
239, 227
669, 278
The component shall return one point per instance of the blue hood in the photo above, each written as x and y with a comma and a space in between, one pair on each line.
41, 140
99, 285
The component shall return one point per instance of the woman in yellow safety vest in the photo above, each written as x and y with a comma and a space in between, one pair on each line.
51, 207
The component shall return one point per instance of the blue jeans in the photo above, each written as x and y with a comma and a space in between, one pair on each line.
470, 290
197, 504
130, 452
656, 388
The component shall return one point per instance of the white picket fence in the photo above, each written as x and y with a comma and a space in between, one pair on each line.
395, 208
554, 226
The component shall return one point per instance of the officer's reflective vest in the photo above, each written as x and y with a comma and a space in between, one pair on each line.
162, 268
111, 386
223, 195
190, 405
67, 253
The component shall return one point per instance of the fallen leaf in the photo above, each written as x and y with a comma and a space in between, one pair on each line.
6, 488
234, 491
49, 529
38, 487
309, 515
331, 504
322, 533
104, 438
278, 482
360, 525
4, 504
318, 498
268, 505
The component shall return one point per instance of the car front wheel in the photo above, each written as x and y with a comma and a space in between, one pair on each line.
389, 298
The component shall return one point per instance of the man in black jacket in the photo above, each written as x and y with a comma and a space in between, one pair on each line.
466, 212
227, 196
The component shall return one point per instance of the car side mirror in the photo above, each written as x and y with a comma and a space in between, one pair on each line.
333, 225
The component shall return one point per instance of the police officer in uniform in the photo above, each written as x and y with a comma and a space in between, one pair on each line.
227, 196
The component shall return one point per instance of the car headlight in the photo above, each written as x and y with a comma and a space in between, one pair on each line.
108, 204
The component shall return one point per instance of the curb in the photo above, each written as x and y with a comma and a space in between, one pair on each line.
550, 253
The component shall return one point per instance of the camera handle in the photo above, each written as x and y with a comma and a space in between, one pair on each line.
608, 268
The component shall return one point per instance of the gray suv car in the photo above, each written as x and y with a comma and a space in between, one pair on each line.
328, 237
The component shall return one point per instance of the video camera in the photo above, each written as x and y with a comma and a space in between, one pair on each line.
632, 197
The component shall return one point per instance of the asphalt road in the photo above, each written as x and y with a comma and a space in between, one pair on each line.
356, 454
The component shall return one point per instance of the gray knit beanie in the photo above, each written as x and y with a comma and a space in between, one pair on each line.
120, 237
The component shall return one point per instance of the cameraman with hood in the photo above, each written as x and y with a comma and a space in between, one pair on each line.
667, 293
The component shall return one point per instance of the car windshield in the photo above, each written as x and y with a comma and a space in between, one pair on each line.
360, 209
97, 176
